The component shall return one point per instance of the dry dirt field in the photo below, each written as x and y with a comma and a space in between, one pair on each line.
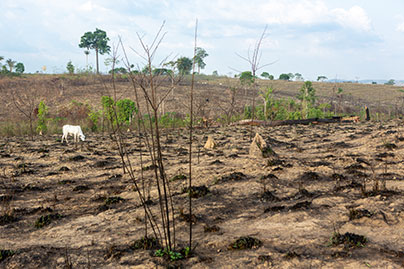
312, 192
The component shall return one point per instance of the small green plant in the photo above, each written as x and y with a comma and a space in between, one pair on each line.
267, 95
308, 97
169, 254
187, 251
173, 255
42, 120
247, 112
170, 119
70, 67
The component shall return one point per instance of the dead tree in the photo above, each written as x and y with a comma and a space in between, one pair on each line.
253, 59
26, 97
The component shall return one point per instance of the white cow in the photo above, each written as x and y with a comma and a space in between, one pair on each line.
74, 130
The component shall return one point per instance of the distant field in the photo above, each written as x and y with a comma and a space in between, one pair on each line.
60, 90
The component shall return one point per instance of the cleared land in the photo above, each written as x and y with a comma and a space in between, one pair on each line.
313, 211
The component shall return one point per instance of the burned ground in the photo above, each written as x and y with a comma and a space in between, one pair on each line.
322, 204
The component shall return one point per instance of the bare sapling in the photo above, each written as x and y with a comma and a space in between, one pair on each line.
191, 127
151, 90
117, 135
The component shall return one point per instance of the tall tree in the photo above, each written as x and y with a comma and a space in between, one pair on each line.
184, 65
11, 64
97, 41
200, 54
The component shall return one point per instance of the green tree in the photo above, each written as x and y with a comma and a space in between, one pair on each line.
184, 65
298, 77
1, 59
199, 56
265, 75
215, 73
19, 68
119, 70
246, 78
284, 77
70, 67
10, 64
390, 82
161, 71
97, 41
321, 78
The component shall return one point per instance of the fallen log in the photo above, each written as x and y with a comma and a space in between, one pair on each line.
294, 122
304, 121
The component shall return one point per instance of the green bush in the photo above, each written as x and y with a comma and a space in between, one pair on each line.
42, 120
171, 120
70, 67
125, 110
94, 117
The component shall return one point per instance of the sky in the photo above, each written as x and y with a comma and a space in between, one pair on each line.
352, 40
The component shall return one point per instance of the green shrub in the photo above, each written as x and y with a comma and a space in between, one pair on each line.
70, 67
125, 110
42, 120
171, 120
94, 117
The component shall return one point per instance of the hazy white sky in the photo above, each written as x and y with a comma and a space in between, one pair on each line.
346, 39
